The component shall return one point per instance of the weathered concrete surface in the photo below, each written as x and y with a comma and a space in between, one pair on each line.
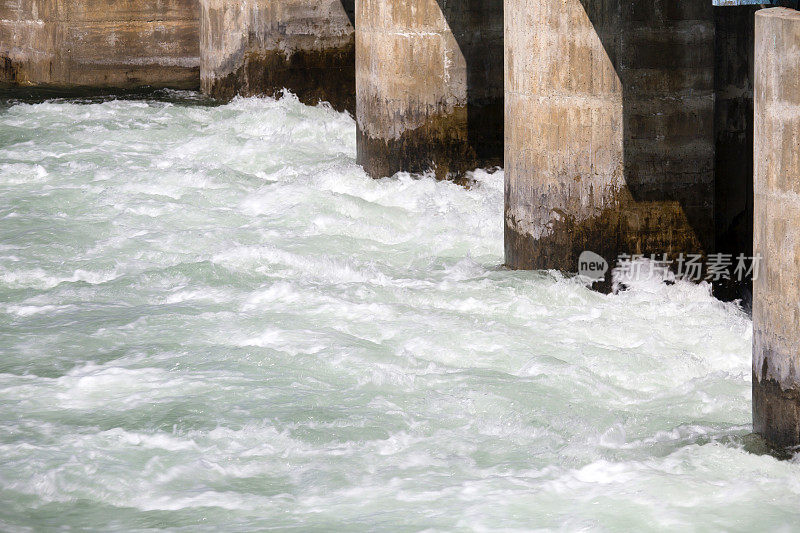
100, 43
733, 133
609, 129
259, 47
429, 86
776, 297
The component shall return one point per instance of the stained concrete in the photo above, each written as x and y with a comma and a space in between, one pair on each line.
259, 47
609, 140
776, 302
429, 86
100, 43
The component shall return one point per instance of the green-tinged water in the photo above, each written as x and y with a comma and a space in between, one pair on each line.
210, 318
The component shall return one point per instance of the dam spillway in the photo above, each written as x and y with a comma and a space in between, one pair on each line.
627, 126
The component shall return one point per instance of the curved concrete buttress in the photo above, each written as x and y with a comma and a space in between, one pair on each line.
609, 141
429, 86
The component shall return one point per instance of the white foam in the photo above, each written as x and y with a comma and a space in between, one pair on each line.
212, 312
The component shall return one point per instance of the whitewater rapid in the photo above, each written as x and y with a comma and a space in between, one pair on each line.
210, 318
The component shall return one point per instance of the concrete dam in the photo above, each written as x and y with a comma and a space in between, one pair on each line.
629, 129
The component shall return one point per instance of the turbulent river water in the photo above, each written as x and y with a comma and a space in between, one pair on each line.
210, 317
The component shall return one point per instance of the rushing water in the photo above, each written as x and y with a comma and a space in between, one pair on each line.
210, 317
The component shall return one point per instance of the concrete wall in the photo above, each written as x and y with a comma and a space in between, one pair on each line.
776, 302
100, 43
259, 47
429, 85
733, 136
609, 129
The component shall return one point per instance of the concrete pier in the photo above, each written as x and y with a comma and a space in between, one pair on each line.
259, 47
776, 303
429, 86
100, 43
609, 129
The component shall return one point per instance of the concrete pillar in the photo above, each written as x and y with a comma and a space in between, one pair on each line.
609, 129
259, 47
776, 290
100, 43
429, 85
